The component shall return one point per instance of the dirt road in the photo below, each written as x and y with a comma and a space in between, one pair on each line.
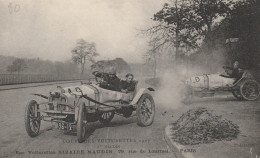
123, 137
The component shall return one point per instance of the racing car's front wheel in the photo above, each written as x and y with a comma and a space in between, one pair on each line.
32, 119
81, 124
145, 110
236, 94
250, 90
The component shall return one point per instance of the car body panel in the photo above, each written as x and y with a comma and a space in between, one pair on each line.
99, 94
139, 94
210, 82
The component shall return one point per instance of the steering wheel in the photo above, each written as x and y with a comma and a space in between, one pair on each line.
226, 69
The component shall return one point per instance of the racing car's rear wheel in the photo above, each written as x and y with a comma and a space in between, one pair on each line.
250, 90
81, 124
32, 119
145, 110
237, 94
106, 117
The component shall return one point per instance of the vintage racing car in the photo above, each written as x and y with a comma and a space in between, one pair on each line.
243, 88
72, 108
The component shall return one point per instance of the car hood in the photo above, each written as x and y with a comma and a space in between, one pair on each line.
89, 90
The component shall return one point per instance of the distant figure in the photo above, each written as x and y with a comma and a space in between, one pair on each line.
128, 85
112, 81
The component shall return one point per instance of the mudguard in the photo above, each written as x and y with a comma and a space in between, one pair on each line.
140, 93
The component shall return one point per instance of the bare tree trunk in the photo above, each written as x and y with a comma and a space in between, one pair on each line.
82, 69
210, 45
83, 65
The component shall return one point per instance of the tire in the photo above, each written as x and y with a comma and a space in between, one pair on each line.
236, 94
81, 124
106, 117
250, 90
32, 122
145, 110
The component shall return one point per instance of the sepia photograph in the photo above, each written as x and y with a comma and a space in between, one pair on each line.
130, 78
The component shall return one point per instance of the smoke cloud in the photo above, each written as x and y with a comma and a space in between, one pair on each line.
169, 93
170, 83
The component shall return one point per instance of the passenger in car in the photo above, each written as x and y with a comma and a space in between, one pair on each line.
128, 85
112, 82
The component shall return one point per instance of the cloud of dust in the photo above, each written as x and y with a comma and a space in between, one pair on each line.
170, 93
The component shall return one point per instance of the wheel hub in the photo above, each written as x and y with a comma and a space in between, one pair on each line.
250, 90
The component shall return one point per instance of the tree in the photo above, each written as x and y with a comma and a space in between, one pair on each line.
119, 64
240, 24
183, 23
17, 66
82, 52
243, 24
206, 12
151, 57
174, 28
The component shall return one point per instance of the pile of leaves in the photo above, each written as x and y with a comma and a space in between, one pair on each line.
199, 126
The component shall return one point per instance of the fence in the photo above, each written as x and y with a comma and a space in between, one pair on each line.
6, 79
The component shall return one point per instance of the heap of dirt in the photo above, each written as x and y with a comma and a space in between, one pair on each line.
199, 126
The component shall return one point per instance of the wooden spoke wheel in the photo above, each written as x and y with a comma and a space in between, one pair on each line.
81, 124
250, 90
32, 119
236, 94
145, 110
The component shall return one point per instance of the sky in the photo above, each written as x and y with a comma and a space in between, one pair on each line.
49, 29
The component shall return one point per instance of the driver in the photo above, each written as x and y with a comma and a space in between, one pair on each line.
100, 76
112, 83
235, 71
